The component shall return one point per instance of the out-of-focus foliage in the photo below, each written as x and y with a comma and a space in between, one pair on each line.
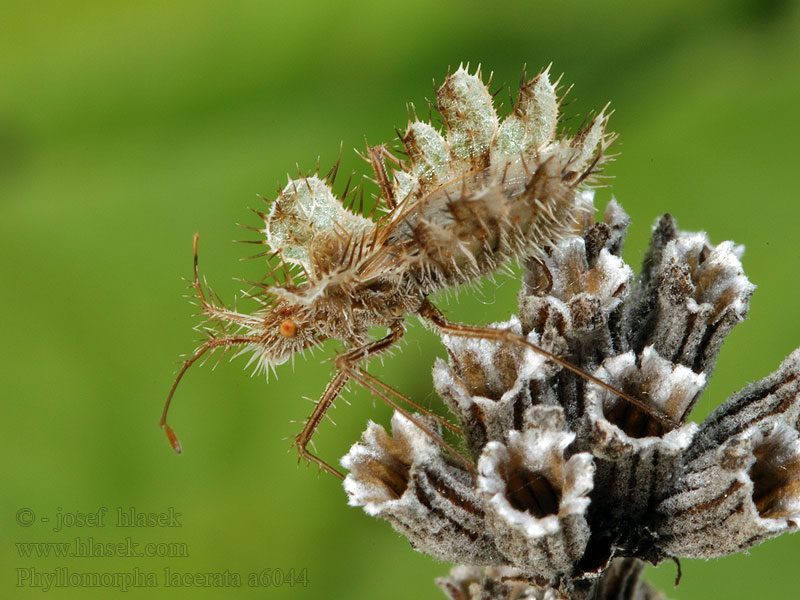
126, 127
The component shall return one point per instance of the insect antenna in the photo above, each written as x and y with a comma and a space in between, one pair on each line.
215, 342
211, 344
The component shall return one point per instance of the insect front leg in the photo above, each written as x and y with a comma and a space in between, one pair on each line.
302, 440
346, 365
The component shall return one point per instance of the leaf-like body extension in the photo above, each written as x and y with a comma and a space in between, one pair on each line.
428, 153
305, 215
532, 125
468, 113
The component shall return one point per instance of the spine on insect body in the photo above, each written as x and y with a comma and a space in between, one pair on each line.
464, 201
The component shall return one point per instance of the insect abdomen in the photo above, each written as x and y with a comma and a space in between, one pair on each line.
487, 191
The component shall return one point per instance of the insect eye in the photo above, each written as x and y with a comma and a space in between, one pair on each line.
288, 328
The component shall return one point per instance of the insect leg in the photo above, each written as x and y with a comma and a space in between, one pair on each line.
377, 383
345, 363
304, 437
435, 316
365, 381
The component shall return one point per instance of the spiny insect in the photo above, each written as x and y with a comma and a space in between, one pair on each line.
460, 205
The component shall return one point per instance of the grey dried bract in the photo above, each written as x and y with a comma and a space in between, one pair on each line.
620, 581
573, 486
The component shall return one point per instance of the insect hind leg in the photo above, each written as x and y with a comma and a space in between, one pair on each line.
345, 364
366, 380
429, 312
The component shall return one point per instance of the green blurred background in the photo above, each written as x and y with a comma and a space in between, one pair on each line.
126, 127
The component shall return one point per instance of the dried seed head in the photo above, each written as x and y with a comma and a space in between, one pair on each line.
776, 475
536, 499
488, 385
673, 389
545, 440
689, 297
621, 580
404, 479
734, 497
637, 458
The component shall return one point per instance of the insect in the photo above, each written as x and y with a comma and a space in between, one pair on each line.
459, 206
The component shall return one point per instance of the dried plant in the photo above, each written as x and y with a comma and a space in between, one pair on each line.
575, 487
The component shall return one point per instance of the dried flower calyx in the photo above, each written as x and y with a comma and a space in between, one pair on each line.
573, 486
